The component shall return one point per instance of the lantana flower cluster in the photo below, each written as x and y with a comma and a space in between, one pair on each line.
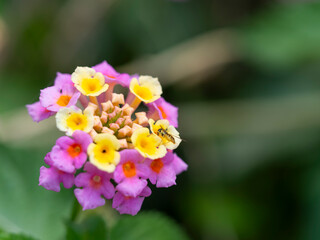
110, 149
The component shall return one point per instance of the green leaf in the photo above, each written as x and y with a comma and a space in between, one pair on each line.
11, 236
92, 227
283, 36
146, 226
26, 207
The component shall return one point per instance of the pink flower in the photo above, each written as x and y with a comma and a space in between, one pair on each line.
95, 184
38, 112
162, 171
50, 178
130, 173
70, 154
63, 79
161, 109
54, 98
130, 205
111, 75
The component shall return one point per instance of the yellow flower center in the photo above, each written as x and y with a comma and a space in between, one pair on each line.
147, 144
91, 85
103, 153
63, 100
77, 121
143, 92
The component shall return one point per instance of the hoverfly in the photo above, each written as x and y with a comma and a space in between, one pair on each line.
163, 133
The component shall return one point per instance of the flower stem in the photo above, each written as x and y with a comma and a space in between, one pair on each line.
76, 209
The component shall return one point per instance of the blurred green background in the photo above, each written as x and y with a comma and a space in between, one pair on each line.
245, 76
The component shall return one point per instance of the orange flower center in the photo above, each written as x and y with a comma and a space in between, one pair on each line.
164, 115
74, 150
129, 169
63, 100
156, 165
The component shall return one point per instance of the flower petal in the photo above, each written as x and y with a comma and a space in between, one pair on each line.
89, 198
131, 186
38, 112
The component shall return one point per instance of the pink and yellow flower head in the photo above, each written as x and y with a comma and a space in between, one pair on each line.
108, 139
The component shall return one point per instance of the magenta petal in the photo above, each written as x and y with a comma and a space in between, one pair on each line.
153, 177
107, 190
111, 75
49, 96
64, 142
179, 165
168, 158
166, 177
90, 168
165, 110
61, 160
47, 159
82, 138
118, 174
146, 192
131, 186
63, 79
131, 206
117, 199
38, 112
74, 99
82, 179
105, 69
80, 160
130, 154
67, 179
49, 179
89, 198
143, 170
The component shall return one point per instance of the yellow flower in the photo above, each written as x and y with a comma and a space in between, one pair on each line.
103, 152
149, 145
69, 119
88, 81
168, 134
147, 88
